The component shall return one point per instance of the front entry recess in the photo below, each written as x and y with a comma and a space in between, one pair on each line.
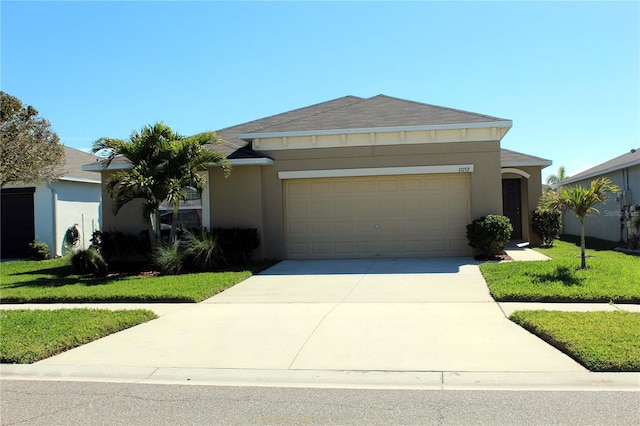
511, 205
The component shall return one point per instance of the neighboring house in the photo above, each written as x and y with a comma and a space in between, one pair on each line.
354, 177
45, 211
613, 221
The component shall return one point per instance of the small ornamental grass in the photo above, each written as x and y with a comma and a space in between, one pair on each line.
31, 335
601, 341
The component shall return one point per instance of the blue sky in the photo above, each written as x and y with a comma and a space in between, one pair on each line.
567, 74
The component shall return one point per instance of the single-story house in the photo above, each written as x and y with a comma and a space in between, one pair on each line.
360, 177
45, 211
613, 222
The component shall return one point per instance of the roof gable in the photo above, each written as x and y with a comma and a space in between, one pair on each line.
379, 112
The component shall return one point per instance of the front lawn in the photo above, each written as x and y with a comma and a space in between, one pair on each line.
28, 336
51, 281
601, 341
610, 276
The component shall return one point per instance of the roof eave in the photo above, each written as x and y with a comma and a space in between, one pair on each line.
302, 133
536, 163
78, 179
579, 178
262, 161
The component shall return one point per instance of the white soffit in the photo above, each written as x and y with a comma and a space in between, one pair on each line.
382, 171
482, 125
532, 163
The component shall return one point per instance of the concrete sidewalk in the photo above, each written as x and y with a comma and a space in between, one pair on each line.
373, 323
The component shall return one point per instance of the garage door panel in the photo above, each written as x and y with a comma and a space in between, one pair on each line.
435, 184
364, 186
387, 216
365, 208
388, 185
297, 228
321, 249
364, 226
317, 208
412, 226
366, 248
455, 224
388, 226
435, 225
412, 184
342, 187
321, 228
343, 227
319, 188
458, 182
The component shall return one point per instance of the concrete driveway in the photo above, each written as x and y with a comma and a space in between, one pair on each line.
370, 314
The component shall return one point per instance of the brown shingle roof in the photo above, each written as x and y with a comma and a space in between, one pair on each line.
631, 158
231, 143
348, 112
378, 112
74, 160
510, 158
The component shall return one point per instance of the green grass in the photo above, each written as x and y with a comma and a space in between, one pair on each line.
601, 341
31, 335
610, 276
51, 281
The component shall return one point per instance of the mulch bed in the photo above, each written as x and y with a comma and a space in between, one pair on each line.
493, 257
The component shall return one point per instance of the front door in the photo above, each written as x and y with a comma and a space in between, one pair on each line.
511, 205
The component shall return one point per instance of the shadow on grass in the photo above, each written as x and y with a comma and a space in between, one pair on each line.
62, 281
59, 271
567, 276
591, 243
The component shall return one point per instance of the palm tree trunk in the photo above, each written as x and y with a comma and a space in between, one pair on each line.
174, 224
583, 259
158, 227
152, 234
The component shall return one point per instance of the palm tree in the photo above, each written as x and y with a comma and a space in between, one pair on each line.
562, 175
581, 201
188, 157
157, 169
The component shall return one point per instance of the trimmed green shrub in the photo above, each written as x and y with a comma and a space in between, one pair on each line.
88, 261
489, 234
39, 250
118, 245
237, 244
547, 225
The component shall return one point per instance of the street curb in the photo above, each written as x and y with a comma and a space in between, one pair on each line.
415, 380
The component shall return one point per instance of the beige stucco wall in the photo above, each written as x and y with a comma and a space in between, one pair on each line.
252, 196
607, 224
129, 218
236, 201
486, 193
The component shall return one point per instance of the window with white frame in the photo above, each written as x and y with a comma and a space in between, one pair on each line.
192, 214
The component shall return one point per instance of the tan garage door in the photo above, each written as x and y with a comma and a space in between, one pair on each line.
377, 216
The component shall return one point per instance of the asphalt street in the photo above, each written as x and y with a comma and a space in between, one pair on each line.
91, 403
